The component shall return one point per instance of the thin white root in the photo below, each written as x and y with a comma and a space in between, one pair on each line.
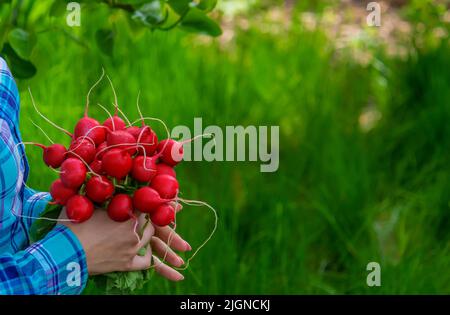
139, 108
90, 90
116, 104
46, 119
86, 137
109, 114
199, 203
154, 119
158, 120
200, 136
42, 130
124, 116
106, 110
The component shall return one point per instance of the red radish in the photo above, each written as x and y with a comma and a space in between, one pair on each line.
134, 131
162, 168
165, 185
120, 208
117, 163
79, 208
121, 137
99, 189
91, 128
114, 123
171, 151
101, 149
54, 155
83, 148
146, 199
163, 215
61, 193
96, 167
148, 139
144, 169
73, 173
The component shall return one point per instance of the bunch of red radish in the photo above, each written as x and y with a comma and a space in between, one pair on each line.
120, 168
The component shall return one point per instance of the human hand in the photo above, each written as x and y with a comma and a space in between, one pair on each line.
114, 246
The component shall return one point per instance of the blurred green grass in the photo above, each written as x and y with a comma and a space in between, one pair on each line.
341, 198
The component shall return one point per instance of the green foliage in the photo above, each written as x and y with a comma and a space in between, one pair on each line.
22, 21
342, 197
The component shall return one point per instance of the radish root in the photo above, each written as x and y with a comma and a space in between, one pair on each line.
42, 130
116, 104
86, 108
45, 118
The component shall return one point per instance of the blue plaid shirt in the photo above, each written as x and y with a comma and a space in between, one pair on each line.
57, 263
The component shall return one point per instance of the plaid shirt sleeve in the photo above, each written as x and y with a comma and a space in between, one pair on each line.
57, 263
54, 265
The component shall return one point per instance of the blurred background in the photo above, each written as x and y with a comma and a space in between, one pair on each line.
364, 116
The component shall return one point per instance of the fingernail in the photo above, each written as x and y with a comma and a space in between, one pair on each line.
180, 261
181, 277
188, 247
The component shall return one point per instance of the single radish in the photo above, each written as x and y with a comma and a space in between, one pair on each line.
61, 193
165, 185
171, 151
148, 139
120, 208
82, 148
90, 128
144, 168
117, 163
73, 173
123, 138
146, 199
114, 123
79, 208
54, 155
163, 215
100, 150
96, 167
99, 189
134, 131
162, 168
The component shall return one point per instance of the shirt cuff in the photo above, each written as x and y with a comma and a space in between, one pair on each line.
34, 204
63, 261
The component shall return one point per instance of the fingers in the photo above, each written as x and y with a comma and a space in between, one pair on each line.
177, 206
166, 271
165, 253
176, 242
147, 234
142, 262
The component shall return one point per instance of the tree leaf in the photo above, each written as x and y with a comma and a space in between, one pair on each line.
207, 5
105, 41
20, 68
58, 8
22, 42
179, 6
151, 13
132, 2
197, 21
